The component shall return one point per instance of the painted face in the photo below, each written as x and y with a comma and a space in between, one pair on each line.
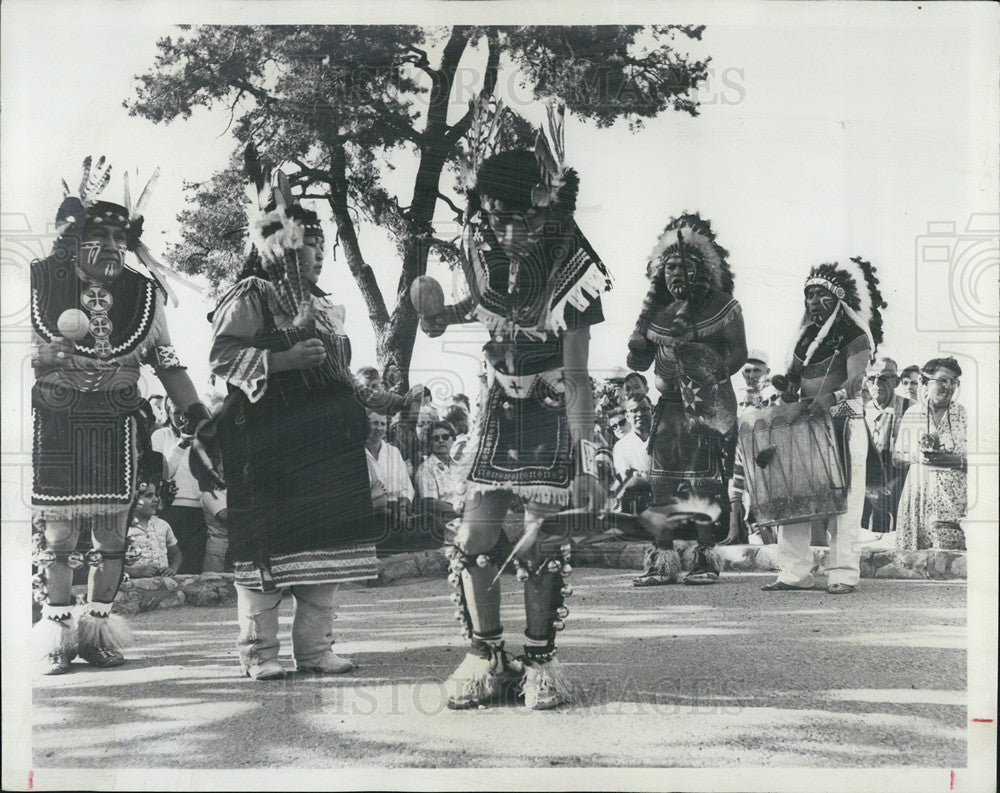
311, 258
102, 252
820, 303
392, 376
685, 277
513, 228
753, 371
640, 413
941, 387
379, 424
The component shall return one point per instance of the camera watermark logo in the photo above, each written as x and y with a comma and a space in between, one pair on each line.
956, 275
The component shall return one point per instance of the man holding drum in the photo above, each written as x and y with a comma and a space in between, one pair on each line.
840, 332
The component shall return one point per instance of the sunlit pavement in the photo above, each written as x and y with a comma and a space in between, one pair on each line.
710, 676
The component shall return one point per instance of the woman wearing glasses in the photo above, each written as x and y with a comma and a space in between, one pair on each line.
933, 441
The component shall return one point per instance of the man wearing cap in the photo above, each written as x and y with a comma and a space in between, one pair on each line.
883, 410
758, 391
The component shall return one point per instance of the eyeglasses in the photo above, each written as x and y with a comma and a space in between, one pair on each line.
440, 437
616, 424
946, 382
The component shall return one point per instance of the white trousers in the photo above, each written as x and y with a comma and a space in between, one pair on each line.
843, 562
312, 626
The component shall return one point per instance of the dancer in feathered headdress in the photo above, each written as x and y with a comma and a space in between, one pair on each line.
535, 283
300, 509
692, 328
95, 321
840, 333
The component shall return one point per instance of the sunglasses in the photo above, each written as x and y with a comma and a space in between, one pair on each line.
616, 424
440, 437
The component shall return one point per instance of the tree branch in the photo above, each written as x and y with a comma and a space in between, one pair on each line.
460, 127
419, 59
458, 212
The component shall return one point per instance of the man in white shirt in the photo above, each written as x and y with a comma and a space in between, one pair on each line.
391, 470
631, 452
631, 456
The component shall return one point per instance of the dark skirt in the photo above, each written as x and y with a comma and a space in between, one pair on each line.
689, 459
85, 450
296, 471
524, 446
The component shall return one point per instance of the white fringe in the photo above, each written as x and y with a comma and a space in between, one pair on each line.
111, 632
538, 494
49, 636
587, 289
543, 680
472, 679
822, 334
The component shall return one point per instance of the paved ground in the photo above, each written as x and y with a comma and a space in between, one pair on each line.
723, 676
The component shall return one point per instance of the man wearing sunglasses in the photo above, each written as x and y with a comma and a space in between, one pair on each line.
884, 480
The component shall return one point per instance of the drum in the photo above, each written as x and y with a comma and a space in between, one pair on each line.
793, 467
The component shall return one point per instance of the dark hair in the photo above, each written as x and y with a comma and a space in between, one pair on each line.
642, 378
909, 370
463, 399
458, 417
640, 398
441, 425
509, 177
934, 364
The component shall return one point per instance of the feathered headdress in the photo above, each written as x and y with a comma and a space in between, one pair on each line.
76, 212
554, 185
690, 235
695, 236
278, 229
855, 287
482, 139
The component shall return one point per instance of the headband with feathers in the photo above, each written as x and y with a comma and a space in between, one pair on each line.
557, 185
76, 211
278, 229
856, 289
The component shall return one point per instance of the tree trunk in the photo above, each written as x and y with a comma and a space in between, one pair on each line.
438, 142
362, 272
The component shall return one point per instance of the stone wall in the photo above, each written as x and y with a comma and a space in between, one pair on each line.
217, 589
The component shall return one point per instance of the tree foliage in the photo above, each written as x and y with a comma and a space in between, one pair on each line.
336, 103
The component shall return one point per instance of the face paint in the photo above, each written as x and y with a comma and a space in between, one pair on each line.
820, 303
102, 254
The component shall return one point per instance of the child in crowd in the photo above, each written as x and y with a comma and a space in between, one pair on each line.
154, 549
216, 514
